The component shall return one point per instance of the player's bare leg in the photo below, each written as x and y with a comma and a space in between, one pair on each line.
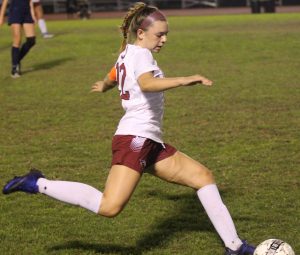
120, 185
16, 30
183, 170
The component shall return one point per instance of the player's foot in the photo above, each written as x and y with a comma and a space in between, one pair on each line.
47, 35
25, 183
245, 249
16, 71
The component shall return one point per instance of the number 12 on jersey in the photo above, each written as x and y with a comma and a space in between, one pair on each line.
121, 75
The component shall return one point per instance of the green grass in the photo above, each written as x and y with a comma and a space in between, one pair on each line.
245, 128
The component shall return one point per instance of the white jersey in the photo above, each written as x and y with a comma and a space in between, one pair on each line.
143, 110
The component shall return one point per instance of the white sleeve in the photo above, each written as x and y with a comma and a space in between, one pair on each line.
144, 63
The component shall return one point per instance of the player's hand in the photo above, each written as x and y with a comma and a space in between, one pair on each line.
98, 86
205, 81
196, 79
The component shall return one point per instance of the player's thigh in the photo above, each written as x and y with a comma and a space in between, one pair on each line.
29, 29
181, 169
120, 184
16, 30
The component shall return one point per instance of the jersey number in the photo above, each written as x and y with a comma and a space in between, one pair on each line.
121, 75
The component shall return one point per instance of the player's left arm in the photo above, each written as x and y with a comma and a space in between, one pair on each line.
149, 83
109, 82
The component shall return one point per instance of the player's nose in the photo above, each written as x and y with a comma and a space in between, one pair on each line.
164, 38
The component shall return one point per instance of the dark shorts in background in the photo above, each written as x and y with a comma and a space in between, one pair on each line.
138, 152
19, 15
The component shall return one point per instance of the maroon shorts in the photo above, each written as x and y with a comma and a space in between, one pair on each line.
138, 152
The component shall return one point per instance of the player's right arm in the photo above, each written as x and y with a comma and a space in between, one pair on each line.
109, 82
2, 12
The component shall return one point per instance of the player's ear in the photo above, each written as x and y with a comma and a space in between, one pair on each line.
140, 34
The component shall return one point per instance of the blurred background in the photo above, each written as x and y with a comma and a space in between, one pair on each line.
64, 6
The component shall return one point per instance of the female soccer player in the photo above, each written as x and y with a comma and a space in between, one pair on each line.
137, 145
21, 16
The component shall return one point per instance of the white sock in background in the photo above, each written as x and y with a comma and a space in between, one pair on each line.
219, 215
42, 26
74, 193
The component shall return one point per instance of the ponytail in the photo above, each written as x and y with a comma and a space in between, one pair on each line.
137, 7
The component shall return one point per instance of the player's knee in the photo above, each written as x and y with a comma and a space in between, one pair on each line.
205, 177
16, 41
208, 177
110, 210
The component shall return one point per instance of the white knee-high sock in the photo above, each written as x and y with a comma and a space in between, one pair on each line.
74, 193
219, 215
42, 26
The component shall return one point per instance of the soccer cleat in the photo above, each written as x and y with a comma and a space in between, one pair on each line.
16, 72
245, 249
47, 36
25, 183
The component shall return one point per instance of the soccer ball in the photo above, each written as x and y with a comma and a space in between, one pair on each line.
274, 247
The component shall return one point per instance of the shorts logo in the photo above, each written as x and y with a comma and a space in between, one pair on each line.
143, 163
137, 143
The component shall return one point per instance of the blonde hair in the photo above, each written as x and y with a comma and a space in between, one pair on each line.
133, 20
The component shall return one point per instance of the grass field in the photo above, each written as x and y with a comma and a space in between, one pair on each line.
245, 128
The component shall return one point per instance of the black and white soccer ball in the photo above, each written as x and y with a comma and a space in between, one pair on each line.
274, 247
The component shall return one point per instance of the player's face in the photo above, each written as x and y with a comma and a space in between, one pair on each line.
154, 37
